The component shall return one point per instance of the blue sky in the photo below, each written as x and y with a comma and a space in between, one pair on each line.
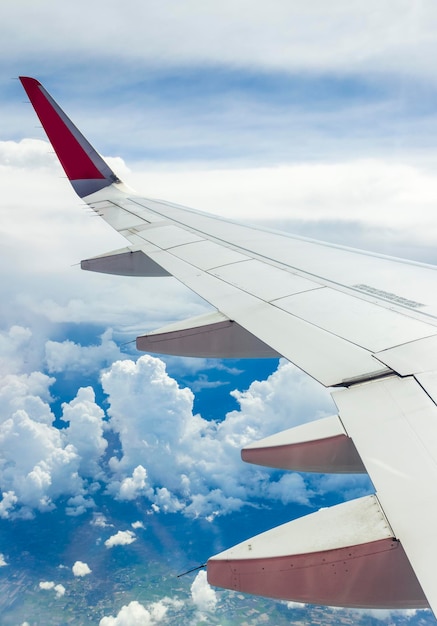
315, 117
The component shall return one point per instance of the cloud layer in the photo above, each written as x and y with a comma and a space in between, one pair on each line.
182, 462
284, 36
172, 457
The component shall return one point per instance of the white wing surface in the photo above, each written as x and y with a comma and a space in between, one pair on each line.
363, 323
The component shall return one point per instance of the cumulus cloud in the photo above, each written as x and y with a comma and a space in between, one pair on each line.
179, 461
138, 524
136, 614
38, 467
133, 486
40, 462
121, 538
170, 456
3, 562
85, 431
68, 356
45, 584
202, 594
7, 503
81, 569
60, 590
27, 392
20, 390
48, 585
15, 349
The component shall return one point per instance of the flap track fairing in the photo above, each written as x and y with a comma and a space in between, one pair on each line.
342, 556
124, 262
320, 446
209, 336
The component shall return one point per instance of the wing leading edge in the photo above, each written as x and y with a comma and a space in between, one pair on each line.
364, 323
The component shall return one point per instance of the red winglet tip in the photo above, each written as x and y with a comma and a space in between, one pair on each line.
29, 81
85, 168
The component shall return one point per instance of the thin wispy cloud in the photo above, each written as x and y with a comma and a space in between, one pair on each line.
282, 35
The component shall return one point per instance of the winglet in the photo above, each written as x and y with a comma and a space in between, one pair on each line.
85, 168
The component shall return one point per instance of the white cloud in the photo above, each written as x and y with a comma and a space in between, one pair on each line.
372, 191
7, 503
166, 501
27, 153
138, 524
180, 461
202, 382
41, 280
80, 503
3, 562
48, 585
396, 36
14, 349
133, 486
27, 392
295, 605
85, 431
60, 590
38, 467
135, 614
41, 462
100, 521
69, 356
121, 538
81, 569
202, 594
388, 614
45, 584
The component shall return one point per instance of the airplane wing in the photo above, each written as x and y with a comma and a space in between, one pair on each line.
361, 323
